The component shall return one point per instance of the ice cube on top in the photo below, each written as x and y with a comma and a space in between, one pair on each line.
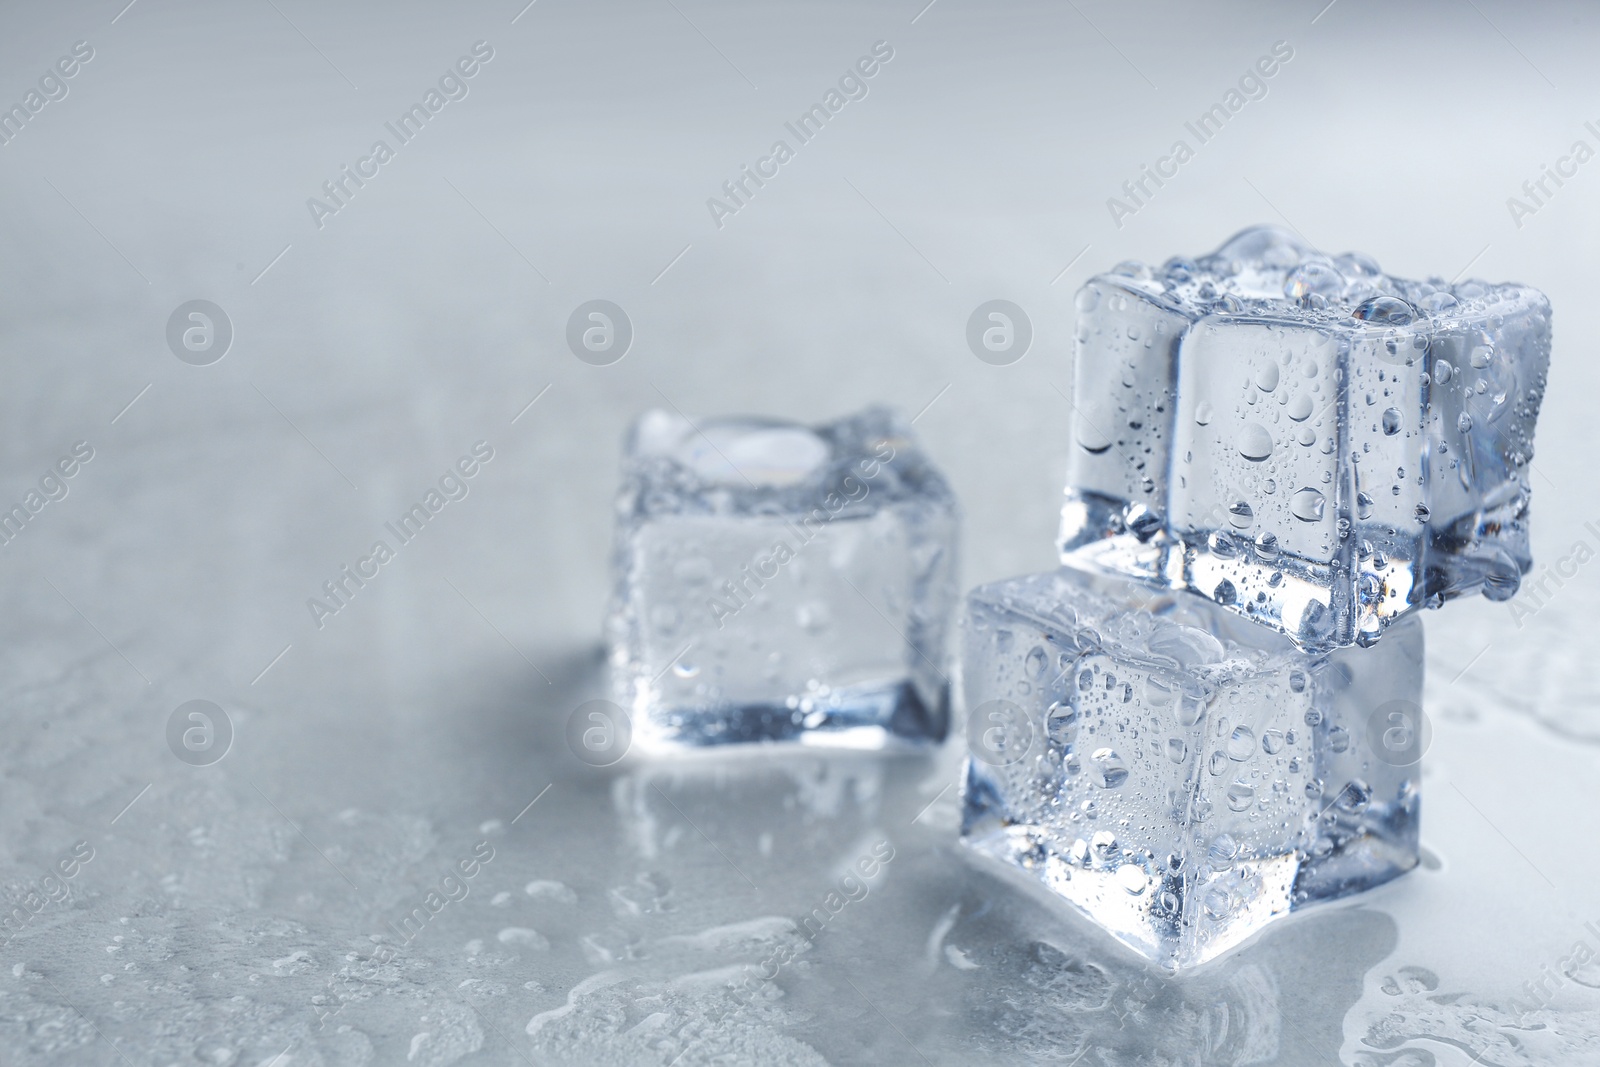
1302, 438
1180, 775
780, 582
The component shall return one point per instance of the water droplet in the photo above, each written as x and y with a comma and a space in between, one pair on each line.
1061, 723
1313, 788
1241, 515
1297, 682
1240, 796
1217, 763
1109, 767
1217, 903
1391, 422
1088, 298
1225, 593
1191, 707
1085, 680
1480, 357
1307, 505
1441, 371
1241, 744
1464, 422
1299, 409
1132, 879
1389, 310
1363, 506
1177, 749
685, 669
1338, 738
1253, 442
1037, 662
1202, 413
1272, 742
1313, 279
1222, 852
1313, 716
1092, 440
1267, 376
1267, 547
1103, 844
1355, 797
1422, 513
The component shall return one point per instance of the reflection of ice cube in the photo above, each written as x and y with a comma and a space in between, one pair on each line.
1304, 439
1178, 773
781, 582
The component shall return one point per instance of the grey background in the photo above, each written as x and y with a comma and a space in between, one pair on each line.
371, 755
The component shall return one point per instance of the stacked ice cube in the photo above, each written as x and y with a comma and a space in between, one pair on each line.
1210, 716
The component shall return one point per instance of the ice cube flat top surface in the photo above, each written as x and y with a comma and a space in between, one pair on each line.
778, 582
1180, 775
1302, 438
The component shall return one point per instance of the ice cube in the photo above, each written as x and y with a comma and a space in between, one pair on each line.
1179, 774
1303, 439
778, 582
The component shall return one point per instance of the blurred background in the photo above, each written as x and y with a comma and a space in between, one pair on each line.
240, 906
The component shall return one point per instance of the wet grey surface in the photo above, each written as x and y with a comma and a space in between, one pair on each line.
250, 911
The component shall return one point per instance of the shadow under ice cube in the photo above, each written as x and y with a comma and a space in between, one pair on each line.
777, 582
1179, 774
1302, 438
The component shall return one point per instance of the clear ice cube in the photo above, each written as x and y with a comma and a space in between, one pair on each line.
1179, 774
778, 582
1302, 438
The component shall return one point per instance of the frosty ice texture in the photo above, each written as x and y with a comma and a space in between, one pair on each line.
781, 582
1180, 774
1304, 439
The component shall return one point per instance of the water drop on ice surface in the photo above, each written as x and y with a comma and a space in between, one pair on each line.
1299, 408
1464, 422
1240, 796
1241, 515
1480, 356
1222, 852
1267, 376
1202, 413
1254, 442
1216, 903
1037, 662
1391, 421
1389, 310
1422, 513
1091, 439
1061, 724
1177, 749
1132, 879
1355, 797
1313, 279
1307, 505
1110, 770
1339, 739
1241, 744
1088, 298
1225, 593
1363, 506
1441, 372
